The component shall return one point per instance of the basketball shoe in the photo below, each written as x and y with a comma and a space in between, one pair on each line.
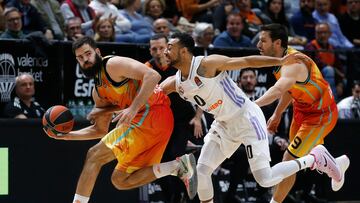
343, 162
187, 173
325, 163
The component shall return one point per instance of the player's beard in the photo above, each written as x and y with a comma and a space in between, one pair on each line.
175, 61
91, 71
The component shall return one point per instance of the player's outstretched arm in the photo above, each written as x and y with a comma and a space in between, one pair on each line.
221, 62
168, 85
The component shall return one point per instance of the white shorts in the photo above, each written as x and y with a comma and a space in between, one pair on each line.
249, 130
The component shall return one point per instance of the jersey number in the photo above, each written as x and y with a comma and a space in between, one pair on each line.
296, 142
200, 101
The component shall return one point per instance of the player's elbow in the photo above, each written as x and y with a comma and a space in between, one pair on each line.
154, 76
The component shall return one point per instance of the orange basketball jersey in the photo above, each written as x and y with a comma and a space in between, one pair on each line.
312, 95
123, 93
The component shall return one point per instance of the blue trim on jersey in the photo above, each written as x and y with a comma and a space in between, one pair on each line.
231, 92
132, 126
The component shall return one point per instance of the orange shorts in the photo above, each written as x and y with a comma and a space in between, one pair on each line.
143, 142
309, 129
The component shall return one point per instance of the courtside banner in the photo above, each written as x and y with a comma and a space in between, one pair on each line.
43, 63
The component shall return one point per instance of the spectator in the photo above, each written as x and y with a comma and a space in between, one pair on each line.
291, 7
197, 11
349, 107
73, 29
322, 14
140, 28
105, 30
13, 24
350, 20
303, 22
51, 14
2, 17
186, 123
24, 105
153, 9
105, 9
322, 52
30, 18
81, 9
233, 36
276, 12
203, 35
162, 25
253, 20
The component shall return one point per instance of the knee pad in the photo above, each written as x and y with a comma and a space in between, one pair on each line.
205, 187
265, 177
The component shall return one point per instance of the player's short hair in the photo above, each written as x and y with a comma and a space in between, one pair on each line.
185, 40
277, 31
84, 40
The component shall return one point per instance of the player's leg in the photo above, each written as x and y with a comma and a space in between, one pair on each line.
211, 157
284, 187
139, 149
217, 147
96, 157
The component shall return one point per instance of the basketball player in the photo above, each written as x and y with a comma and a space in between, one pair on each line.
204, 81
142, 133
315, 112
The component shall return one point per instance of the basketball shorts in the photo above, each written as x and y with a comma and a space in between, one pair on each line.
249, 130
143, 142
309, 129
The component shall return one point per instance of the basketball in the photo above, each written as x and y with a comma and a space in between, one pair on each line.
58, 119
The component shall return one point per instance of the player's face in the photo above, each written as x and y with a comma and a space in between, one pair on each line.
265, 44
248, 81
89, 60
157, 48
172, 52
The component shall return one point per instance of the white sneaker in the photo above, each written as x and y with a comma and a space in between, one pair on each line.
187, 173
343, 162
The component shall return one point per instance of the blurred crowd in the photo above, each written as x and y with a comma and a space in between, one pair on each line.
318, 27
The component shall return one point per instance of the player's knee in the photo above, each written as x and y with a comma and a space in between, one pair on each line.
93, 156
263, 182
205, 187
264, 178
119, 181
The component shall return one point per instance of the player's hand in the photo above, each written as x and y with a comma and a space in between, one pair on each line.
52, 133
294, 58
273, 123
124, 116
196, 122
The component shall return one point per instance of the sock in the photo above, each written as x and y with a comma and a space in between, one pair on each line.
305, 161
167, 168
273, 201
80, 199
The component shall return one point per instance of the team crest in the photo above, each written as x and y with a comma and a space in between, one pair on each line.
198, 81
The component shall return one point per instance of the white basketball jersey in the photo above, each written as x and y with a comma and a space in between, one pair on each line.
219, 95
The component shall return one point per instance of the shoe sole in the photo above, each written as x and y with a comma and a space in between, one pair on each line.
336, 186
193, 181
